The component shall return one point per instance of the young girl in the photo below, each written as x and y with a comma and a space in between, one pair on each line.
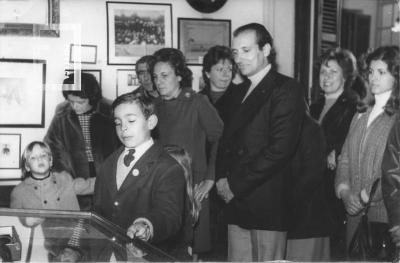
194, 205
43, 188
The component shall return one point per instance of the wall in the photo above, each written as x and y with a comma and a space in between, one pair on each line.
279, 20
89, 17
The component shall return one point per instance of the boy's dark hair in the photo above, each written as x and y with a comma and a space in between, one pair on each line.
177, 60
90, 88
263, 37
214, 55
391, 56
145, 103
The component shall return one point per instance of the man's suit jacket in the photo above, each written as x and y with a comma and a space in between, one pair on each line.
259, 141
157, 193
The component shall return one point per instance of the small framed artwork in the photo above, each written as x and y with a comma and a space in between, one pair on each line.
10, 151
22, 92
136, 29
196, 36
30, 18
86, 54
95, 72
127, 81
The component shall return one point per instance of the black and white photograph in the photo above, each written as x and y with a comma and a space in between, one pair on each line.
127, 81
22, 91
137, 29
34, 18
200, 131
10, 151
83, 54
196, 36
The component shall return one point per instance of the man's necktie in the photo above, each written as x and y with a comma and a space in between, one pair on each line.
246, 89
129, 157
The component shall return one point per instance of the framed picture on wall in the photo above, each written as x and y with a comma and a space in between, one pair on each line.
86, 54
196, 36
30, 18
10, 151
22, 92
95, 72
127, 81
136, 29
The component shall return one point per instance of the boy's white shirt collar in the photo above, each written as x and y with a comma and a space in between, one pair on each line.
141, 149
122, 170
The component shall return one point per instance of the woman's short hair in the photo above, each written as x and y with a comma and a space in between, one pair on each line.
177, 60
214, 55
391, 56
27, 153
90, 88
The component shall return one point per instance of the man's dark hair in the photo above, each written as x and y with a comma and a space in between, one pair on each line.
148, 59
263, 37
145, 103
90, 88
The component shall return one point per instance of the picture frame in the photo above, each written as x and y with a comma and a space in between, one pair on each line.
128, 39
127, 81
10, 151
49, 28
196, 36
84, 54
22, 92
95, 72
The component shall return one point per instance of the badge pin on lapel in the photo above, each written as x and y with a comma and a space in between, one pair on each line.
135, 172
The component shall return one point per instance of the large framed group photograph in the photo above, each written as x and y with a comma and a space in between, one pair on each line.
22, 92
136, 29
196, 36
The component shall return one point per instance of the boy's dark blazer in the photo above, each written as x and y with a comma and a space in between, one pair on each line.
157, 193
259, 140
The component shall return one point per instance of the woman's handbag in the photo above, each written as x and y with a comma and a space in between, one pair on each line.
371, 241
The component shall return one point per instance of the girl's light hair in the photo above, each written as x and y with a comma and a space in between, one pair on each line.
27, 153
183, 158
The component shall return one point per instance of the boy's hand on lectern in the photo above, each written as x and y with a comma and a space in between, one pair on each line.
139, 229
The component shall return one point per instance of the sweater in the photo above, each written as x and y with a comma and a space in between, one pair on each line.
361, 158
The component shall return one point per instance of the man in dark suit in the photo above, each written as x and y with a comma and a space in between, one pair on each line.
260, 137
140, 187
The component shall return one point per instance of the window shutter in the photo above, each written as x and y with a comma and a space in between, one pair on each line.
329, 18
